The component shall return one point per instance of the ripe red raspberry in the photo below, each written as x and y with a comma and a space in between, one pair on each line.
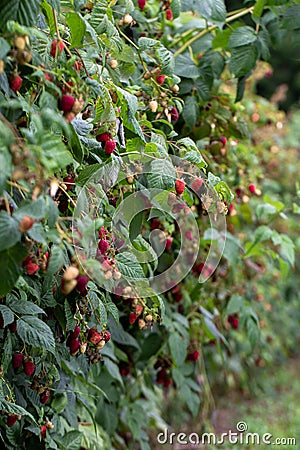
94, 336
155, 223
124, 369
160, 79
269, 73
11, 420
141, 4
25, 224
48, 77
179, 186
56, 46
82, 281
238, 192
169, 14
167, 382
252, 188
17, 360
44, 397
223, 140
174, 114
161, 376
169, 241
109, 147
74, 346
43, 431
66, 103
13, 327
138, 310
75, 333
132, 317
105, 335
29, 368
32, 268
77, 66
189, 235
196, 184
235, 323
178, 296
15, 83
103, 137
69, 182
194, 356
103, 246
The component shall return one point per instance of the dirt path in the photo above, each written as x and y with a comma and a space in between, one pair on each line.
277, 412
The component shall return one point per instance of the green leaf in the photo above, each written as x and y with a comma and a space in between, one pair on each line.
36, 209
135, 226
98, 306
243, 59
287, 249
184, 67
4, 48
48, 12
129, 266
191, 399
6, 167
258, 9
20, 306
242, 36
232, 249
190, 112
54, 154
22, 11
77, 27
150, 346
262, 233
113, 370
178, 348
7, 315
75, 146
291, 18
113, 310
162, 175
176, 8
10, 263
235, 304
212, 10
221, 39
10, 407
253, 331
69, 316
241, 88
9, 231
87, 173
59, 403
56, 261
72, 440
7, 352
35, 332
38, 234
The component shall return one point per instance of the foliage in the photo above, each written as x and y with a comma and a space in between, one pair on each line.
97, 100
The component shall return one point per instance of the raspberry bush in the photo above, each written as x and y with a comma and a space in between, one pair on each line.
97, 100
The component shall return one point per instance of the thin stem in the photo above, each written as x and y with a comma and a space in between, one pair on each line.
84, 66
211, 28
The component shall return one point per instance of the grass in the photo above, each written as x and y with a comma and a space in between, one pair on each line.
276, 412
